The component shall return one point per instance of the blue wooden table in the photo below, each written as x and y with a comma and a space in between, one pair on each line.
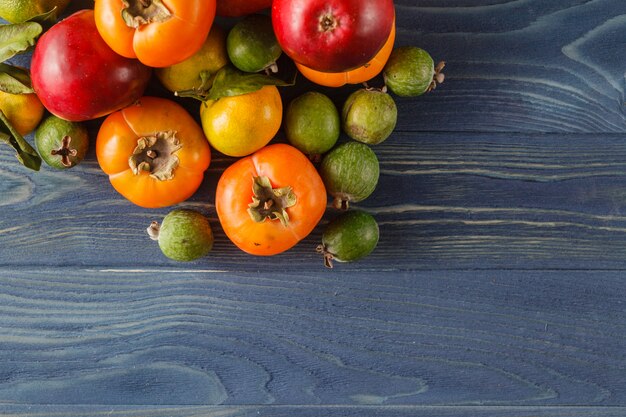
498, 287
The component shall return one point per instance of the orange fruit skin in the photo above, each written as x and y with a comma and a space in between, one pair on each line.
24, 111
186, 74
160, 43
118, 137
357, 75
240, 125
284, 166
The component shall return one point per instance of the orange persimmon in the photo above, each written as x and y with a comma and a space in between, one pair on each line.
269, 201
154, 152
159, 33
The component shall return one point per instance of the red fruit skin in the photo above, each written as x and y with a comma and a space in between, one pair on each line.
78, 77
332, 35
238, 8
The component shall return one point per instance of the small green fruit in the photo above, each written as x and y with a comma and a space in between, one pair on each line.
410, 72
184, 235
350, 173
312, 123
349, 237
252, 45
369, 116
62, 144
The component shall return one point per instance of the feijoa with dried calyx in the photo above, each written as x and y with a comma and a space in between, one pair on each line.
350, 236
62, 144
369, 115
252, 45
350, 173
183, 235
312, 123
411, 71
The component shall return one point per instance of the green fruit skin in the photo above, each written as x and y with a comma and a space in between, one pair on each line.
351, 236
409, 71
49, 136
350, 171
369, 116
252, 45
312, 123
185, 235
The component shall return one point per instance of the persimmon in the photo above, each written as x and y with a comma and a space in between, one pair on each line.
267, 202
159, 33
154, 152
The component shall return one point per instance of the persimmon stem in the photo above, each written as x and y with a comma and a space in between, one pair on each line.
270, 203
142, 12
156, 154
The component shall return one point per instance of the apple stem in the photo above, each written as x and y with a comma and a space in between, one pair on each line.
327, 23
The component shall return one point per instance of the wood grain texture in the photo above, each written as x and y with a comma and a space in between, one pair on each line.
443, 202
519, 65
188, 337
311, 411
497, 288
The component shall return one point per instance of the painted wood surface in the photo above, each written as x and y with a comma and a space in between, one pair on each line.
312, 411
498, 287
190, 337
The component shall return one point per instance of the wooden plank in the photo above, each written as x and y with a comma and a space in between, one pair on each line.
530, 65
313, 411
443, 202
178, 337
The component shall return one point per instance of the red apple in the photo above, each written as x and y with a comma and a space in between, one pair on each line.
332, 35
78, 77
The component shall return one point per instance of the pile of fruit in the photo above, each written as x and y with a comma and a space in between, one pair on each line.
97, 63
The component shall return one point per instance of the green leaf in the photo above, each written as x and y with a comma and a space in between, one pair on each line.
229, 81
14, 80
25, 153
17, 38
48, 17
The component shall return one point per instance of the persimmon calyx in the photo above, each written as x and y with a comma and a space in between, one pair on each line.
143, 12
156, 154
65, 151
270, 203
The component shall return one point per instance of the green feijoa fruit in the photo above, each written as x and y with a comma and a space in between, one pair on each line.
351, 236
184, 235
350, 173
252, 45
369, 116
62, 144
312, 123
410, 71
